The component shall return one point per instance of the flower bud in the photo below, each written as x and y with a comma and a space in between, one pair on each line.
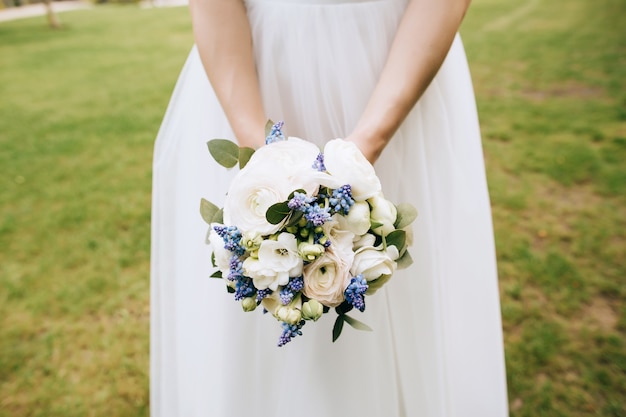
310, 251
288, 315
251, 241
248, 304
383, 214
312, 310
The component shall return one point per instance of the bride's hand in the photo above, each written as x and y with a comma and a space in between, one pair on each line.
370, 146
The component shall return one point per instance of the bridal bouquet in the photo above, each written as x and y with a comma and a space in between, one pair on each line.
304, 231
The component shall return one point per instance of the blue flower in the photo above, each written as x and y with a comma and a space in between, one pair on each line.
317, 215
244, 288
231, 237
289, 332
319, 163
355, 293
276, 134
341, 199
300, 202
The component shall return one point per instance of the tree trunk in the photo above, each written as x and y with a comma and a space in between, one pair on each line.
53, 21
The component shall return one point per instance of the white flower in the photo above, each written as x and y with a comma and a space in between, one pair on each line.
312, 310
273, 172
277, 261
347, 165
326, 279
341, 240
357, 220
220, 254
288, 314
383, 212
373, 262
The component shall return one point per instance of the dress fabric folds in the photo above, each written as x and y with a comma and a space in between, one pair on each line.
436, 349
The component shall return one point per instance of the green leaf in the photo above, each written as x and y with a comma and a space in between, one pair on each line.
230, 290
375, 285
268, 127
219, 216
375, 225
338, 327
216, 274
245, 154
294, 218
225, 152
277, 212
406, 215
359, 325
405, 260
208, 210
397, 238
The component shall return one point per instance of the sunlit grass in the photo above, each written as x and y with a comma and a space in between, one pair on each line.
79, 112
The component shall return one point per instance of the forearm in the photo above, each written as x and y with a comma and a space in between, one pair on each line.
222, 35
422, 41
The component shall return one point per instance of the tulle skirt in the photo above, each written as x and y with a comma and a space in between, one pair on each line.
436, 349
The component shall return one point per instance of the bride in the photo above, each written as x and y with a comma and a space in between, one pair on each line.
391, 76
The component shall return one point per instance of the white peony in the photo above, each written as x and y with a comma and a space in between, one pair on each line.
273, 172
277, 261
373, 262
383, 212
347, 165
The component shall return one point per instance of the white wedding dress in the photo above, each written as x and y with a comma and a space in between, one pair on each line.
436, 349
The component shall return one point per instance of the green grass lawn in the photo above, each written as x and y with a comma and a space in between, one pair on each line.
79, 111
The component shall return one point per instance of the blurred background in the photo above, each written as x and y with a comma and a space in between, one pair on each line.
83, 88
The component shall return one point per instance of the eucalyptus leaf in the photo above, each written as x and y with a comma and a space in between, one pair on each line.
230, 290
294, 218
406, 215
225, 152
268, 127
208, 210
219, 216
375, 285
338, 327
397, 238
245, 154
359, 325
216, 274
277, 212
375, 225
405, 260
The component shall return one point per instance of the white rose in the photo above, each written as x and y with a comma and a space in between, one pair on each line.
221, 255
357, 220
347, 165
273, 172
277, 261
341, 240
383, 212
326, 279
373, 263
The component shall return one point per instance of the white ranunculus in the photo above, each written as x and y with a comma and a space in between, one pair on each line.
367, 239
277, 261
357, 220
326, 279
347, 165
273, 172
341, 240
221, 255
373, 263
383, 212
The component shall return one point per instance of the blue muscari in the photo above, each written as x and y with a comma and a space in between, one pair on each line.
231, 237
319, 163
355, 293
235, 268
244, 288
261, 294
317, 215
288, 292
289, 332
276, 134
300, 202
341, 199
